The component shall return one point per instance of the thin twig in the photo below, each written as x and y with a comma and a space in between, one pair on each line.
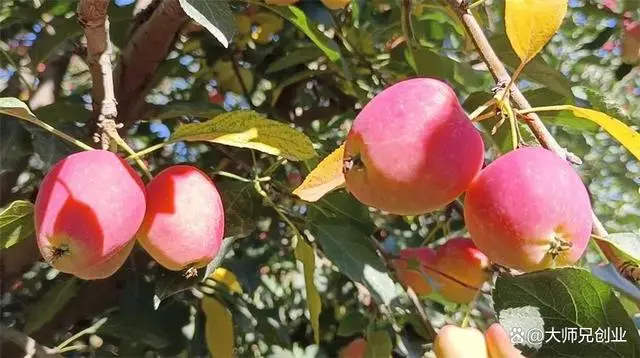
89, 330
245, 90
415, 300
500, 74
30, 346
18, 70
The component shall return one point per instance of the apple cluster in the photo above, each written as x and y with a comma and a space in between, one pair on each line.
92, 207
412, 150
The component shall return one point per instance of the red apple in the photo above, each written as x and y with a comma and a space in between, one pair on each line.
109, 266
529, 210
216, 97
412, 149
460, 270
412, 268
88, 209
355, 349
184, 223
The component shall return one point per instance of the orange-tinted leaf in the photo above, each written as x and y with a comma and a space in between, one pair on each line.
326, 177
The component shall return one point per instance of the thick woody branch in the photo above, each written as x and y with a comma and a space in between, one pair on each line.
29, 345
92, 15
148, 47
500, 74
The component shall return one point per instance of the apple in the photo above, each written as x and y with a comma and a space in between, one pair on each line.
355, 349
109, 266
184, 223
412, 268
88, 209
529, 210
460, 270
336, 4
412, 149
456, 342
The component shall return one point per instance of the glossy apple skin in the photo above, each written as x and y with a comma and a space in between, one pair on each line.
456, 262
109, 266
418, 149
412, 268
499, 343
336, 4
184, 223
525, 203
355, 349
456, 342
89, 207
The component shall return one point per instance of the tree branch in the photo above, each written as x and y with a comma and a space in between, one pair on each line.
500, 74
148, 47
30, 346
92, 15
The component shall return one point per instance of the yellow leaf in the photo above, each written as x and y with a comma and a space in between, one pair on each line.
227, 278
530, 24
305, 254
618, 130
327, 176
218, 328
248, 129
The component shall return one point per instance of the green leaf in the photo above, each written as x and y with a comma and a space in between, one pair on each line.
249, 129
215, 16
298, 18
379, 345
567, 299
16, 108
353, 323
241, 207
306, 255
15, 147
352, 252
537, 69
428, 63
340, 207
50, 304
298, 77
297, 57
545, 97
16, 223
48, 146
626, 244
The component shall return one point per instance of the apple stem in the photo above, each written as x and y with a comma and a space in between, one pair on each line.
191, 272
56, 252
467, 316
558, 245
352, 162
